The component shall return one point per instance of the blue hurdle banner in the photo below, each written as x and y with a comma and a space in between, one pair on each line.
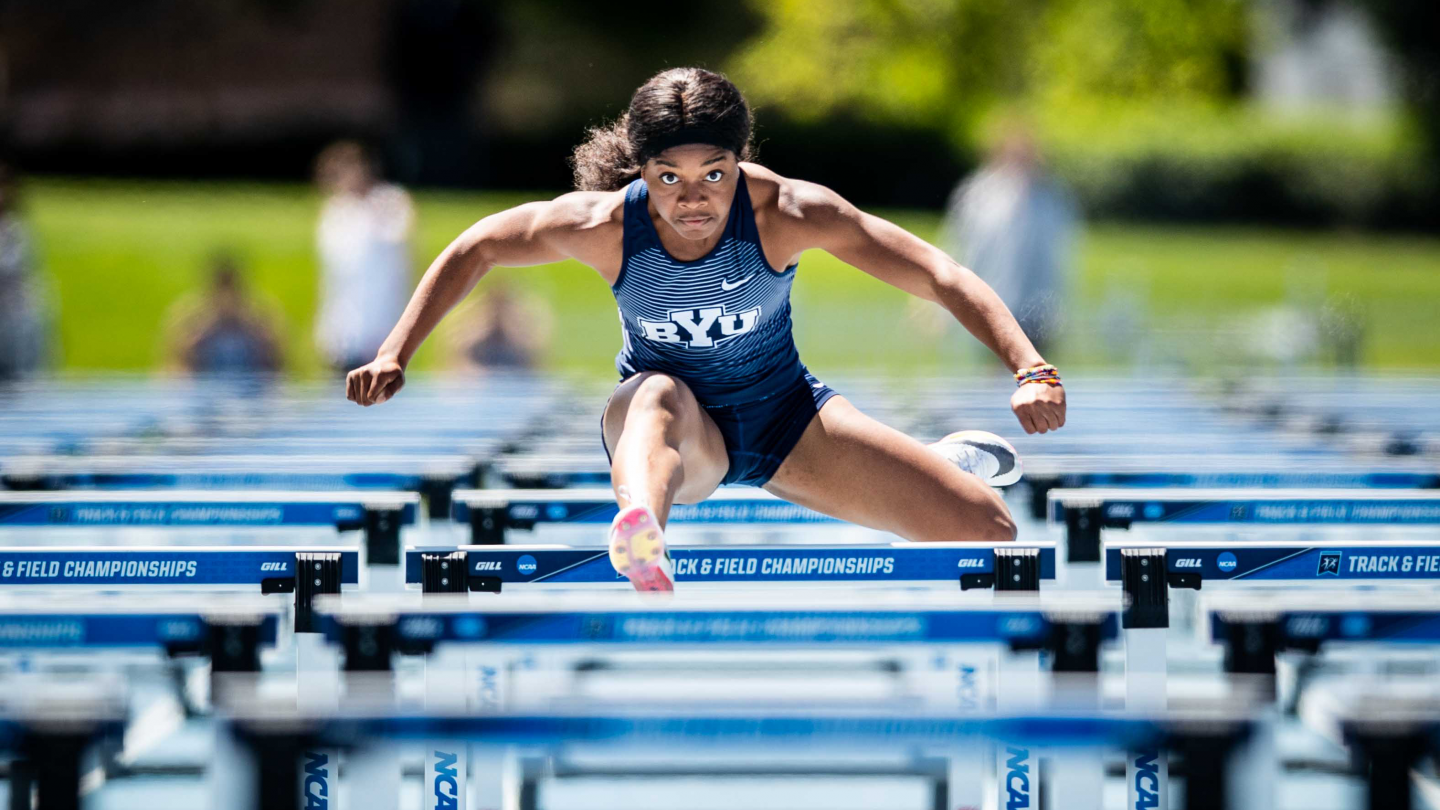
343, 510
1086, 511
164, 566
176, 631
419, 630
1206, 473
1308, 628
1121, 508
1058, 730
433, 476
491, 512
1210, 742
1191, 562
1007, 566
234, 480
1255, 627
380, 515
304, 571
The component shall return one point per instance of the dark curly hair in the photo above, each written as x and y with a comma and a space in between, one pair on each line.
680, 105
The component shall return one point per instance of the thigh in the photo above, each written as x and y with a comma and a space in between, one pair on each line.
852, 467
664, 408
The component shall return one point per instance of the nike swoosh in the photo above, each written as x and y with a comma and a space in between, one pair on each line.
727, 286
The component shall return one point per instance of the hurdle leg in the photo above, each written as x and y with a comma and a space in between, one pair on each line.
372, 777
447, 762
487, 691
231, 774
966, 678
317, 689
1147, 771
1018, 689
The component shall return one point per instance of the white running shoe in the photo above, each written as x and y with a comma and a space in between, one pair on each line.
984, 454
637, 550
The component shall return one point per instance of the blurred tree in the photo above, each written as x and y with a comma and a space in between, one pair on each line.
1410, 28
946, 63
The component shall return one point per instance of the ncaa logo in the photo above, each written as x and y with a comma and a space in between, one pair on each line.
1329, 564
468, 626
1154, 511
557, 511
700, 328
526, 564
1355, 625
1226, 562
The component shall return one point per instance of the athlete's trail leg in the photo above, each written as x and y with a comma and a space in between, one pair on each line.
852, 467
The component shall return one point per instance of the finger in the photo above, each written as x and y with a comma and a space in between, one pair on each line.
1023, 414
377, 384
396, 385
350, 386
388, 391
1045, 415
1054, 418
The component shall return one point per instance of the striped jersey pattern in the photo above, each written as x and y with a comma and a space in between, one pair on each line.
720, 323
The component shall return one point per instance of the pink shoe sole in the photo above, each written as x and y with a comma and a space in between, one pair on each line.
637, 550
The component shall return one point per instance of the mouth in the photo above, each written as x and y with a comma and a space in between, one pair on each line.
693, 222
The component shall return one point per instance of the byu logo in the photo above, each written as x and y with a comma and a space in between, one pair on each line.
700, 328
1329, 564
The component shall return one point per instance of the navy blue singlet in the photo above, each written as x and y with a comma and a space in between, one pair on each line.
720, 324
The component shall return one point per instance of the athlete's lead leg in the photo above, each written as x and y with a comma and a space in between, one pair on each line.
664, 449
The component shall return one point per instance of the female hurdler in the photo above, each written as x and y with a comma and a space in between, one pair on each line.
700, 249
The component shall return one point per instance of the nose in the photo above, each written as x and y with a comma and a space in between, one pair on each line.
690, 195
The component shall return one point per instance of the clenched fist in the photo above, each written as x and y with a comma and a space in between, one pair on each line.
1039, 407
375, 382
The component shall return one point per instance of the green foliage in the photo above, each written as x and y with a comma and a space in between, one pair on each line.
1138, 102
1211, 161
943, 62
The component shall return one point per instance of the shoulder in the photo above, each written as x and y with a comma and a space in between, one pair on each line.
581, 220
581, 211
791, 204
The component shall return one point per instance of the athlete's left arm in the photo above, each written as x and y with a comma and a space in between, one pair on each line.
820, 218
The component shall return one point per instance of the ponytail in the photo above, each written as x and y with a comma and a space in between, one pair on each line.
605, 161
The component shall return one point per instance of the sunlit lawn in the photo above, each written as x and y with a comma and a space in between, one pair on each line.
119, 253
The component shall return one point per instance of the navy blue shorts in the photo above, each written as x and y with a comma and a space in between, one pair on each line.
759, 435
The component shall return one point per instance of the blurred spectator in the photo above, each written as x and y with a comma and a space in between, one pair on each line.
501, 331
1014, 224
363, 241
222, 329
22, 321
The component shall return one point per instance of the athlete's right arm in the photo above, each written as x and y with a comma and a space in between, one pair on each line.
530, 234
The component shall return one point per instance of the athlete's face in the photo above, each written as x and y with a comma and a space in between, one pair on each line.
692, 186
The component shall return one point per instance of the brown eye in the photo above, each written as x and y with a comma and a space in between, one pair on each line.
669, 178
714, 175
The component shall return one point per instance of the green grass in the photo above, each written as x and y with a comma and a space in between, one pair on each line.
120, 253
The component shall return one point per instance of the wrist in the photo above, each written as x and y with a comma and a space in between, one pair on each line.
1042, 374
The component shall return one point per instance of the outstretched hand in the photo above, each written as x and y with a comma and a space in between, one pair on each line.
375, 382
1039, 407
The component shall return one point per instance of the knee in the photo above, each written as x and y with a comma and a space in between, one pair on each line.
659, 392
1002, 526
996, 524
